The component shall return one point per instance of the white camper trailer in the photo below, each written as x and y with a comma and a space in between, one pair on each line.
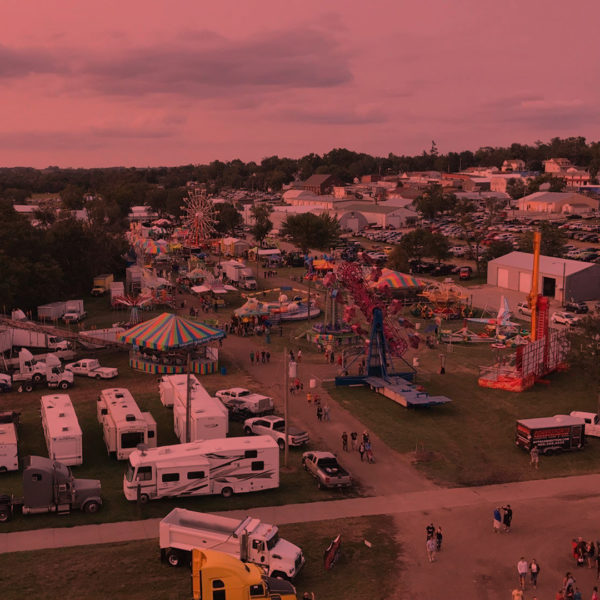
9, 456
224, 466
61, 429
209, 417
124, 425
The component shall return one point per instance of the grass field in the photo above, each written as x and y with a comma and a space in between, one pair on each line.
470, 441
133, 570
295, 484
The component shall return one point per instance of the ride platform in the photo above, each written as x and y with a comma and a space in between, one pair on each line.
403, 392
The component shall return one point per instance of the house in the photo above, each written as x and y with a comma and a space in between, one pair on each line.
319, 184
557, 202
557, 166
513, 165
559, 278
359, 215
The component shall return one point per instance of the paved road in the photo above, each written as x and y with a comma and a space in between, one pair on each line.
584, 486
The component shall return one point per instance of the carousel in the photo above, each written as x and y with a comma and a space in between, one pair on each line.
165, 345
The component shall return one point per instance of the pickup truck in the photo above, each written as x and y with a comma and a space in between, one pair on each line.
275, 427
324, 467
91, 368
591, 420
243, 403
74, 317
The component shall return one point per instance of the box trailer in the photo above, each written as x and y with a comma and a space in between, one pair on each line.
9, 454
124, 425
117, 290
224, 466
247, 538
209, 417
51, 312
61, 429
551, 434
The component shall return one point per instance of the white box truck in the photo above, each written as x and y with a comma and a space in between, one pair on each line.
209, 417
9, 455
248, 539
124, 425
61, 429
239, 273
225, 466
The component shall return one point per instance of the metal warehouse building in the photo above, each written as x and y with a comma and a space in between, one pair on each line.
560, 278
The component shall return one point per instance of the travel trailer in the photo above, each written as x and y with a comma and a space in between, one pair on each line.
61, 429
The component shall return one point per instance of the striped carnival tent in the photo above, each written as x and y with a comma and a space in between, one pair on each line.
397, 281
169, 332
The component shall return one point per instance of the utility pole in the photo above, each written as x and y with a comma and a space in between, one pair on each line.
188, 402
286, 386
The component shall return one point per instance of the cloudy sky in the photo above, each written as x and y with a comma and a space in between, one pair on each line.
167, 82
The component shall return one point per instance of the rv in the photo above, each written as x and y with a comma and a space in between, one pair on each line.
224, 466
124, 425
209, 417
9, 456
61, 429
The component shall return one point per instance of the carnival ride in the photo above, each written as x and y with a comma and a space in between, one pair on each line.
444, 299
198, 219
134, 303
545, 352
386, 342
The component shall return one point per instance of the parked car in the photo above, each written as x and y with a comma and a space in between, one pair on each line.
324, 467
275, 427
524, 309
579, 308
564, 318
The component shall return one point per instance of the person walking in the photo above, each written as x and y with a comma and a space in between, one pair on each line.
369, 452
430, 547
326, 412
522, 568
268, 355
438, 539
497, 520
320, 414
429, 531
299, 355
263, 356
534, 570
535, 457
361, 451
353, 438
507, 518
251, 357
595, 593
345, 441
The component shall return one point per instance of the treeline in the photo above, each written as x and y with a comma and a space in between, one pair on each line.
163, 187
40, 265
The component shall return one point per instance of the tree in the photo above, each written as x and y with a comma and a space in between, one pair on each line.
496, 249
72, 197
398, 259
227, 217
434, 201
415, 243
515, 188
553, 240
584, 352
308, 231
438, 247
262, 223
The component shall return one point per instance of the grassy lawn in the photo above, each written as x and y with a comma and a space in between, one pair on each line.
470, 441
132, 570
295, 484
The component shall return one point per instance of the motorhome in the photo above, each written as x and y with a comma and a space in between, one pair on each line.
124, 425
224, 466
61, 429
209, 417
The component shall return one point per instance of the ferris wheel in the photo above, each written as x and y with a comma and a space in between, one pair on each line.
198, 218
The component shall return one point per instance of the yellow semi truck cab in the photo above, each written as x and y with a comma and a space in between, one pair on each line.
218, 576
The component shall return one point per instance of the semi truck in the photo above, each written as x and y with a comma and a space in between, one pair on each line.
225, 466
61, 429
217, 575
49, 373
247, 539
49, 486
102, 284
124, 425
208, 416
26, 338
551, 434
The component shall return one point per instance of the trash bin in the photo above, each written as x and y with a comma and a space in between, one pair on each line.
223, 370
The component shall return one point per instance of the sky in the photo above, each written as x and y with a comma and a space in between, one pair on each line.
155, 82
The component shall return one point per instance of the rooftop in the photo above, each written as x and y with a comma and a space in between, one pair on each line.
549, 265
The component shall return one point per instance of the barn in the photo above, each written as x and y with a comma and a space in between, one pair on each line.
560, 278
